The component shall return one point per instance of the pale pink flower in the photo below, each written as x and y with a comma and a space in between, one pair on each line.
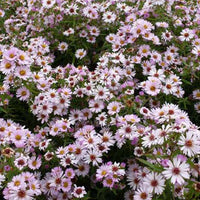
177, 171
79, 192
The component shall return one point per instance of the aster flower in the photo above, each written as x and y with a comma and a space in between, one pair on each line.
18, 137
66, 184
23, 93
69, 173
79, 191
2, 179
2, 13
196, 94
80, 53
114, 107
186, 35
94, 157
96, 105
155, 183
48, 3
34, 163
143, 194
21, 162
190, 145
82, 169
196, 50
23, 73
21, 194
63, 46
7, 66
108, 182
197, 107
177, 171
11, 54
109, 17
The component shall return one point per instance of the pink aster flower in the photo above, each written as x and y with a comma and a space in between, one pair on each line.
66, 184
18, 137
108, 182
153, 86
155, 182
21, 194
2, 179
34, 163
143, 194
21, 162
23, 73
7, 66
80, 53
190, 145
177, 171
79, 192
114, 107
48, 3
69, 173
2, 13
11, 54
23, 93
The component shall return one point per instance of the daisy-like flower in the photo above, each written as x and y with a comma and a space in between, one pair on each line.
61, 152
143, 194
114, 107
150, 139
162, 24
177, 171
101, 93
21, 162
66, 184
63, 46
167, 36
17, 182
48, 3
23, 93
18, 137
82, 169
78, 192
169, 87
69, 173
155, 182
196, 50
96, 105
80, 53
45, 108
94, 31
109, 17
197, 107
11, 54
186, 34
23, 58
7, 66
68, 32
94, 157
128, 131
23, 73
196, 94
152, 86
190, 145
2, 179
21, 194
108, 182
34, 163
2, 13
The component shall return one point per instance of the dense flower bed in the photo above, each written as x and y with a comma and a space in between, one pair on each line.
99, 99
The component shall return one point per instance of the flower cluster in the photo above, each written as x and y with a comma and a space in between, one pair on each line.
98, 99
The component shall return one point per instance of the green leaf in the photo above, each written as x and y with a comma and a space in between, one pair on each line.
155, 168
